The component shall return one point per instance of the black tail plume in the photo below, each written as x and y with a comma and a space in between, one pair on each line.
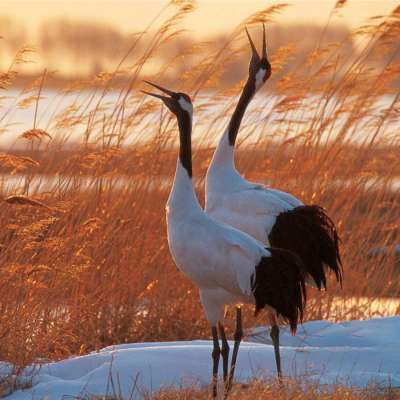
280, 282
311, 234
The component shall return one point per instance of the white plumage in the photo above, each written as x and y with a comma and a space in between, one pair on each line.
229, 266
254, 208
274, 218
249, 207
219, 259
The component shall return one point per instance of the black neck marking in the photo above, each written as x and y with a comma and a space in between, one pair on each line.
245, 98
185, 133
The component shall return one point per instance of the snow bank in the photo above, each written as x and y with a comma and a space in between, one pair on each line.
355, 352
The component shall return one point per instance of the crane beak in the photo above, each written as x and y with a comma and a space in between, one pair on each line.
264, 48
168, 92
155, 95
165, 99
253, 48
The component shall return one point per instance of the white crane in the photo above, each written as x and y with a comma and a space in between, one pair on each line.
273, 217
228, 266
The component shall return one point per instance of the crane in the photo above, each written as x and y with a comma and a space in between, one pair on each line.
273, 217
229, 267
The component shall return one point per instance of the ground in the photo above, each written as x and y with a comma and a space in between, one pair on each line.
354, 353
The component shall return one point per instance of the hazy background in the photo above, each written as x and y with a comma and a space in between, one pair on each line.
81, 39
86, 167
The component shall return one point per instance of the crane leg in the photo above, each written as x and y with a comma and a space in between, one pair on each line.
215, 356
238, 337
225, 355
275, 340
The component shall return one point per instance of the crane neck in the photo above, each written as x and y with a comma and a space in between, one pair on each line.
182, 200
248, 92
224, 155
185, 140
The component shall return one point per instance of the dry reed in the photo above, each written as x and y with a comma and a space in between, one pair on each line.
84, 259
262, 389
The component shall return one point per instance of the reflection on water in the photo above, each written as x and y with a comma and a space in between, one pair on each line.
24, 184
345, 309
15, 120
19, 183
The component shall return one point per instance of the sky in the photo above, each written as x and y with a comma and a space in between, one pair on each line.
211, 17
210, 20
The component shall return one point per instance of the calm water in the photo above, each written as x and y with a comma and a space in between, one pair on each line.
344, 308
18, 183
53, 102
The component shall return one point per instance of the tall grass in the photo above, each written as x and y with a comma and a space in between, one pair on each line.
267, 389
84, 258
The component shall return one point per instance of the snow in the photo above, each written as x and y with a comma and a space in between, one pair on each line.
354, 353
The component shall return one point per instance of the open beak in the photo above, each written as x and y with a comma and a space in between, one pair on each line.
165, 99
264, 47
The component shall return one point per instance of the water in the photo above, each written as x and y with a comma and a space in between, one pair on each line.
18, 183
346, 308
24, 184
15, 119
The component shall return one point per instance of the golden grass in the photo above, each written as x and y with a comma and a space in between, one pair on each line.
294, 390
84, 259
263, 389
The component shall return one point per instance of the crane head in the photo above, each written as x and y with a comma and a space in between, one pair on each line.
177, 102
259, 67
